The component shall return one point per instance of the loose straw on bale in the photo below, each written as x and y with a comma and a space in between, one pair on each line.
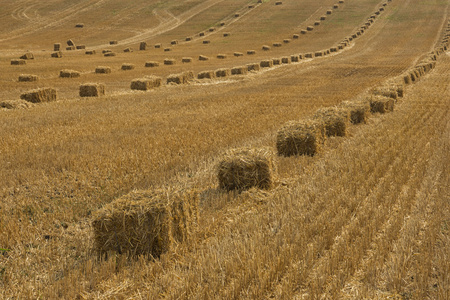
40, 95
334, 119
92, 90
221, 56
69, 74
28, 78
242, 169
146, 222
304, 137
146, 83
128, 49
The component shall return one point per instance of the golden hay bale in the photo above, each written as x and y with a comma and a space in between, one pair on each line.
385, 91
151, 64
92, 90
221, 56
295, 36
237, 15
223, 72
146, 222
206, 75
127, 67
90, 52
146, 83
316, 23
329, 12
222, 24
69, 74
278, 3
158, 46
206, 42
57, 54
304, 137
28, 78
242, 169
169, 61
113, 42
40, 95
277, 44
203, 58
70, 48
109, 54
56, 47
251, 6
81, 47
181, 78
285, 60
323, 18
251, 52
333, 49
27, 55
295, 58
335, 6
253, 67
334, 119
211, 29
167, 49
407, 79
188, 39
359, 111
201, 34
266, 48
103, 70
303, 31
318, 54
239, 70
79, 25
174, 42
276, 61
15, 104
70, 43
186, 59
309, 55
266, 63
381, 104
286, 41
238, 54
142, 46
309, 28
341, 1
226, 34
106, 51
128, 50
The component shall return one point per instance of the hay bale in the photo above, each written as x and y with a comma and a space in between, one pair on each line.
206, 75
318, 54
329, 12
316, 23
128, 50
146, 83
266, 48
109, 54
334, 119
385, 91
286, 41
56, 47
309, 28
103, 70
295, 58
309, 55
242, 169
295, 36
201, 34
277, 44
81, 47
180, 78
56, 54
143, 46
253, 67
239, 70
167, 49
151, 64
18, 62
211, 29
333, 49
276, 61
28, 78
266, 63
92, 90
359, 111
407, 79
106, 51
40, 95
169, 61
323, 18
70, 48
186, 59
27, 56
113, 42
70, 43
381, 104
206, 42
251, 52
285, 60
127, 67
146, 222
174, 42
226, 34
79, 25
223, 72
237, 15
278, 2
221, 56
303, 31
15, 104
304, 137
222, 24
238, 54
69, 74
251, 6
203, 58
90, 52
157, 46
336, 6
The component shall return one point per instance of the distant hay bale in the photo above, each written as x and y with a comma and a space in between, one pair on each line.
238, 54
286, 41
303, 31
114, 42
295, 36
253, 67
309, 28
340, 46
316, 23
81, 47
57, 54
203, 58
15, 104
318, 54
222, 24
92, 90
69, 74
295, 58
127, 67
251, 52
277, 44
174, 42
300, 56
381, 104
221, 56
142, 46
70, 43
407, 79
167, 49
309, 55
323, 18
237, 15
242, 169
278, 2
251, 6
266, 63
329, 12
333, 49
103, 70
188, 39
128, 50
206, 75
169, 61
243, 70
201, 34
27, 55
211, 29
146, 222
186, 60
223, 72
151, 64
79, 25
336, 6
146, 83
70, 48
180, 78
90, 52
286, 60
157, 46
226, 34
304, 137
28, 78
106, 51
385, 91
359, 111
335, 120
56, 47
206, 42
109, 54
266, 48
40, 95
276, 61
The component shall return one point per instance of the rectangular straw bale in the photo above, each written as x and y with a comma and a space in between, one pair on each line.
79, 25
309, 28
305, 137
113, 42
303, 31
143, 46
56, 47
168, 61
69, 74
221, 56
277, 44
266, 63
334, 119
385, 91
318, 54
309, 55
203, 58
28, 78
188, 39
276, 61
206, 75
158, 46
167, 49
359, 110
285, 60
316, 23
238, 54
18, 62
92, 90
295, 36
286, 41
295, 58
223, 72
90, 52
253, 67
146, 222
239, 70
57, 54
206, 42
127, 67
266, 48
81, 47
109, 54
27, 55
323, 18
174, 42
127, 50
251, 52
40, 95
242, 169
381, 104
151, 64
146, 83
186, 59
103, 70
180, 78
201, 34
70, 48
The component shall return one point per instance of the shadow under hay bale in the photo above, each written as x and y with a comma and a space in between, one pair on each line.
359, 111
242, 169
146, 83
381, 104
335, 120
253, 67
127, 67
28, 78
304, 137
239, 71
56, 54
18, 62
92, 90
223, 72
206, 75
69, 74
15, 104
266, 63
146, 222
103, 70
40, 95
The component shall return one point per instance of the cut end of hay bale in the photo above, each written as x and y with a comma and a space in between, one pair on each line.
146, 222
242, 169
69, 74
103, 70
334, 120
146, 83
28, 78
304, 137
92, 90
40, 95
56, 47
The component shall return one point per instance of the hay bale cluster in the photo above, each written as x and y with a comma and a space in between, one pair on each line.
40, 95
92, 90
305, 137
146, 222
146, 83
242, 169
